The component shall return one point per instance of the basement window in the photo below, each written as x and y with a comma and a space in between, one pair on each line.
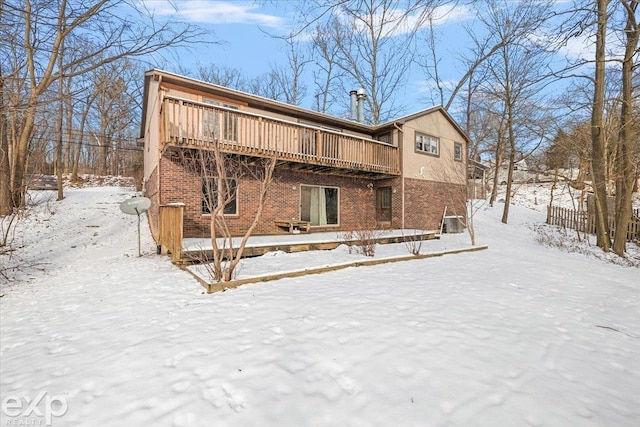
210, 196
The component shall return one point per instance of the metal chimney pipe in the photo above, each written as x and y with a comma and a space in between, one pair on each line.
354, 108
361, 96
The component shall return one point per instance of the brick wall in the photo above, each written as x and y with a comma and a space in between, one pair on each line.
356, 203
424, 201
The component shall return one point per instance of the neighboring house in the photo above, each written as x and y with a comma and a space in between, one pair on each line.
521, 172
477, 179
336, 174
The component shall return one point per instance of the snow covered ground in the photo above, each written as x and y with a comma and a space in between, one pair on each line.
519, 334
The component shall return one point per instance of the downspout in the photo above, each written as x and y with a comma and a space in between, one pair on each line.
400, 139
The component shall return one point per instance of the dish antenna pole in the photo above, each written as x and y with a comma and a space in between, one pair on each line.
136, 206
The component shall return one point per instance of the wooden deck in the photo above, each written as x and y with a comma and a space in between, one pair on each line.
193, 255
197, 125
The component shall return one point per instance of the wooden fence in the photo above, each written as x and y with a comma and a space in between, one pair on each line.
585, 222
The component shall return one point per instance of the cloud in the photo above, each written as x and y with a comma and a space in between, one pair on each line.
578, 48
214, 12
445, 15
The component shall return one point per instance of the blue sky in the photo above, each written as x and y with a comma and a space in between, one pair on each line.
244, 32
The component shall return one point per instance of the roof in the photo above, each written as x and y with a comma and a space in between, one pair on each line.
271, 105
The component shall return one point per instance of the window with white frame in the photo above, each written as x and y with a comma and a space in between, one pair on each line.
427, 144
319, 205
457, 151
210, 191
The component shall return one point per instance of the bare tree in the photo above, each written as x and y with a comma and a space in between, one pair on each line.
35, 31
220, 75
220, 174
517, 73
374, 45
624, 155
597, 133
113, 112
62, 84
5, 181
327, 74
289, 77
376, 42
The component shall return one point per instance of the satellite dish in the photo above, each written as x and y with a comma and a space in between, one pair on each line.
136, 206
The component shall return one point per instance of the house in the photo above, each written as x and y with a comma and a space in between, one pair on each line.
521, 172
333, 174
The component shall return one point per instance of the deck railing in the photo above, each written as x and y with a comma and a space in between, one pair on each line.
200, 125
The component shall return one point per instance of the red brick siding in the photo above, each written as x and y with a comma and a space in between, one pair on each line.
425, 202
396, 200
357, 200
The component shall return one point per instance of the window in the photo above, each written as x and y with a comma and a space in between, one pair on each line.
210, 195
386, 138
383, 204
457, 151
319, 205
427, 144
308, 143
212, 120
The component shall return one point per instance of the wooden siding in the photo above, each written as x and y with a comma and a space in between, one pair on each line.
199, 125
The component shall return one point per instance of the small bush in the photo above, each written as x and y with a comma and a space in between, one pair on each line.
362, 241
413, 243
571, 242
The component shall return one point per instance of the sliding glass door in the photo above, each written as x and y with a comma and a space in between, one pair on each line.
319, 205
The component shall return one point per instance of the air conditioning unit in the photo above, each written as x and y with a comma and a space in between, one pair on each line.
453, 224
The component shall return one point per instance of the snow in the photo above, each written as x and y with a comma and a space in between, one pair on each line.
280, 262
519, 334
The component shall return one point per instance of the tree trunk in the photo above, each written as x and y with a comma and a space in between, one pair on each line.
512, 162
598, 162
5, 174
625, 169
496, 173
19, 156
512, 140
59, 165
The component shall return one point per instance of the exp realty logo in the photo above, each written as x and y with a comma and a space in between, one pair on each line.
39, 411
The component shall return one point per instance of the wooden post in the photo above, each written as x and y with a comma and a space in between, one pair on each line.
171, 223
